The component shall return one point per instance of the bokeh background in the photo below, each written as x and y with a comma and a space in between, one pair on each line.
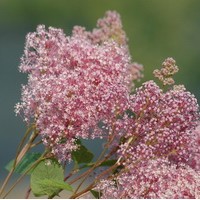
156, 29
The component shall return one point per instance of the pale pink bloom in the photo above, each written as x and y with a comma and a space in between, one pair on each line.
73, 84
194, 159
108, 28
153, 179
162, 125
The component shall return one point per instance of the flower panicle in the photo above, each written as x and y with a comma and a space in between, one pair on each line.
76, 81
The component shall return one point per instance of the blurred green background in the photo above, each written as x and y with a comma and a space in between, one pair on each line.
156, 29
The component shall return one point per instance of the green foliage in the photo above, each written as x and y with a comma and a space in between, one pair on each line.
24, 164
47, 179
130, 113
96, 194
82, 155
49, 187
108, 163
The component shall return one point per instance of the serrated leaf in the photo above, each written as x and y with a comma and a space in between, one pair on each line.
47, 179
96, 194
82, 155
108, 163
24, 164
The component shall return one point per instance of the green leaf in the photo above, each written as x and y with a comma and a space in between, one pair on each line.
130, 113
122, 140
117, 169
96, 194
55, 183
47, 179
24, 164
108, 163
82, 155
51, 186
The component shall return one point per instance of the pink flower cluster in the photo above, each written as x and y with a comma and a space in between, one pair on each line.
153, 179
160, 156
108, 28
163, 123
74, 82
194, 148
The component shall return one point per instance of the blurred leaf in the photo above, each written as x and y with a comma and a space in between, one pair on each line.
122, 140
24, 164
117, 169
96, 194
119, 116
108, 163
47, 179
82, 155
130, 113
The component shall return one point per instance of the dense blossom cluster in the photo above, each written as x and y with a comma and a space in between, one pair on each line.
153, 179
163, 123
78, 82
194, 148
108, 28
74, 82
160, 156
